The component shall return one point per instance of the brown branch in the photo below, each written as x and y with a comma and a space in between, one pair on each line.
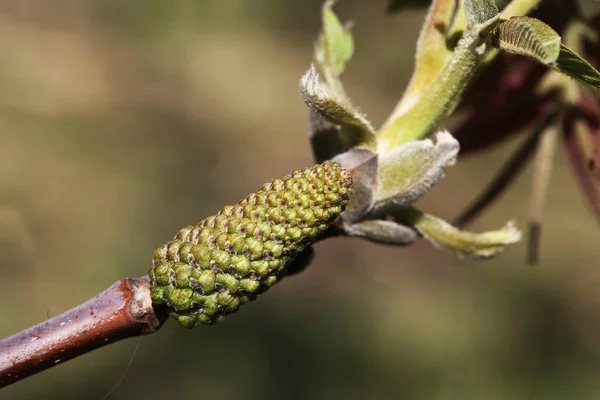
123, 310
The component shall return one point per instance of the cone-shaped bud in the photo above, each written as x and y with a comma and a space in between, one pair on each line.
209, 270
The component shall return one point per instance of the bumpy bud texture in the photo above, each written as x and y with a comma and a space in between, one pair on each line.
210, 270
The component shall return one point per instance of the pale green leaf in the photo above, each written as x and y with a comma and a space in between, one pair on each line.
418, 118
463, 244
356, 129
528, 37
431, 56
574, 66
411, 170
334, 124
334, 48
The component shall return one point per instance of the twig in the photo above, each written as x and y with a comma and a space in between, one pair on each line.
123, 310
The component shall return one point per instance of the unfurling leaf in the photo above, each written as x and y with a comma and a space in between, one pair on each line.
433, 53
437, 101
411, 170
355, 128
335, 125
479, 12
531, 37
332, 51
574, 66
528, 37
463, 244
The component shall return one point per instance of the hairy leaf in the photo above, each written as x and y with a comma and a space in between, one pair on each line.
411, 170
334, 124
463, 244
431, 55
356, 129
383, 231
529, 37
436, 101
574, 66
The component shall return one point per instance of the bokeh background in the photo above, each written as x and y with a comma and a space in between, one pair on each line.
122, 121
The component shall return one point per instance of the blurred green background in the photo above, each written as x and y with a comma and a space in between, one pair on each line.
122, 121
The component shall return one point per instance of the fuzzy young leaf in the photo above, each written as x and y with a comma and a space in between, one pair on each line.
356, 129
411, 170
383, 231
335, 125
574, 66
528, 37
332, 51
421, 118
463, 244
533, 38
479, 12
431, 56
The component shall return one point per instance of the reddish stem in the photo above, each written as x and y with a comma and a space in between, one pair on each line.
123, 310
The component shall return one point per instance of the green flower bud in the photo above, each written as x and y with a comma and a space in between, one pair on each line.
210, 270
